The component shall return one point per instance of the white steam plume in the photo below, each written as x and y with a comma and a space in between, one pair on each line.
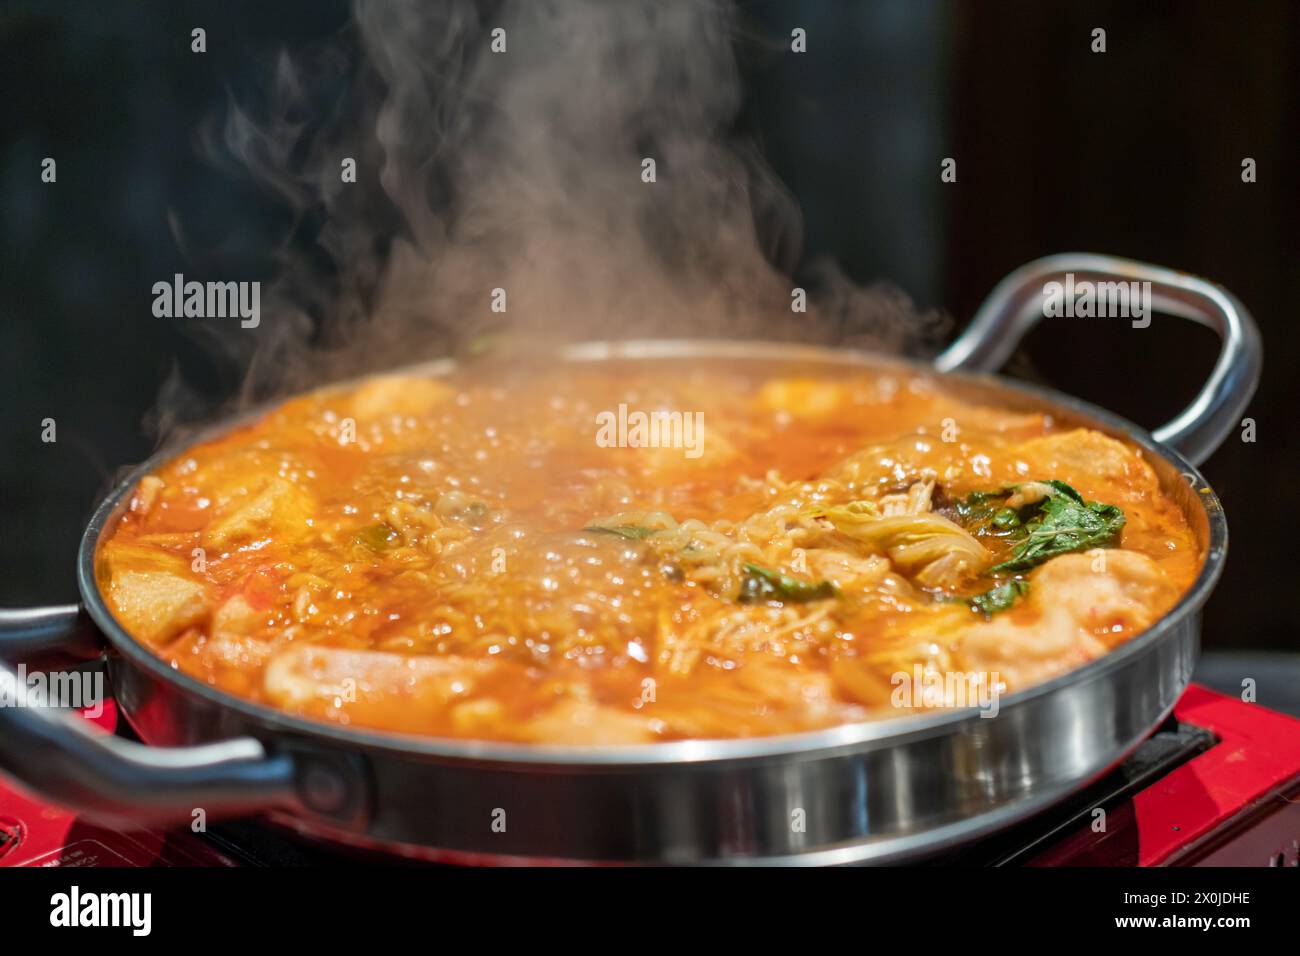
522, 170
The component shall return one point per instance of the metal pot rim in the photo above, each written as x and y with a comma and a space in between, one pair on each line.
856, 736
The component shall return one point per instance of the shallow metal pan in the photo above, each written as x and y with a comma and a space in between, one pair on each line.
879, 791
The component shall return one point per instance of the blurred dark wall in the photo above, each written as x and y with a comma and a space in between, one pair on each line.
855, 128
1134, 152
1137, 152
112, 92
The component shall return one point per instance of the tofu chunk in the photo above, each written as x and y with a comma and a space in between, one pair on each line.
280, 509
372, 688
157, 605
1083, 608
803, 397
400, 395
1099, 466
585, 722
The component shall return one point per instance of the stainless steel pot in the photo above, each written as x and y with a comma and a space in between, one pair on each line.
878, 791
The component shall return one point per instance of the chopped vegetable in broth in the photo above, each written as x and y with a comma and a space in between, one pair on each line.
631, 552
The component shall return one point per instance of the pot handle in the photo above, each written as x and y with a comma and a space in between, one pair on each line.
122, 783
48, 634
1016, 305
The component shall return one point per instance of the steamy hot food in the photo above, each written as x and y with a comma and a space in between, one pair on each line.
748, 550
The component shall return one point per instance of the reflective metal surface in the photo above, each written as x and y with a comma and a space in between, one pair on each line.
883, 790
1016, 305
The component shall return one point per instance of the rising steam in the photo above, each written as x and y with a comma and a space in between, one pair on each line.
522, 170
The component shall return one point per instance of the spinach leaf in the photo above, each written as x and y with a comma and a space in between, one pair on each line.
763, 584
984, 512
1061, 523
981, 505
1005, 518
1000, 597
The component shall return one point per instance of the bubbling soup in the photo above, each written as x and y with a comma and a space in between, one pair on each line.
636, 551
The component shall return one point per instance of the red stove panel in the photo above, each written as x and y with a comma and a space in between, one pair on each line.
35, 833
1236, 804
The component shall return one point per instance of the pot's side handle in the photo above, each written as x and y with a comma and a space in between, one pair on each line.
1018, 302
122, 783
32, 634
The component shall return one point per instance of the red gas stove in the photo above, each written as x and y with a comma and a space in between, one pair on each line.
1218, 784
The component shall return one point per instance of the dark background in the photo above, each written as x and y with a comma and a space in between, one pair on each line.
1136, 152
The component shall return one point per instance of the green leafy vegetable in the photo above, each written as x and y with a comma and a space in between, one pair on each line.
376, 537
633, 525
1059, 524
1000, 597
980, 506
633, 532
1043, 519
763, 584
1006, 518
